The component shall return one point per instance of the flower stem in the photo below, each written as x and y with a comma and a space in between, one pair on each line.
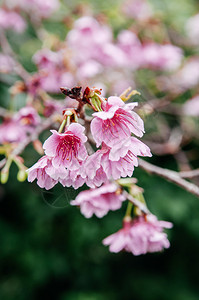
62, 125
128, 210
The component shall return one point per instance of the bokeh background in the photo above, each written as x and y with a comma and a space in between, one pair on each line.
48, 250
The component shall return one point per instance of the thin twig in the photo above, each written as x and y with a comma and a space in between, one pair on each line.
21, 146
7, 49
170, 176
189, 174
137, 203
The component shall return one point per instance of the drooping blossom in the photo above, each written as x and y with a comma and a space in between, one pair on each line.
40, 171
10, 19
116, 122
99, 201
142, 235
67, 149
118, 161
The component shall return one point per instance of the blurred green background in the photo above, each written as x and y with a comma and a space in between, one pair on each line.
50, 251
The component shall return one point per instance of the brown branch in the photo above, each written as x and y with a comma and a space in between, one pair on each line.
170, 176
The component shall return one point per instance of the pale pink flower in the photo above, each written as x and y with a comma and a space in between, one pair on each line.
116, 122
11, 131
22, 123
99, 201
52, 106
188, 76
67, 149
40, 171
116, 162
89, 36
164, 57
27, 116
11, 20
45, 58
129, 43
137, 9
142, 235
43, 8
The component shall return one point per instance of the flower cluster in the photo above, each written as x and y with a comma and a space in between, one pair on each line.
16, 128
111, 128
67, 161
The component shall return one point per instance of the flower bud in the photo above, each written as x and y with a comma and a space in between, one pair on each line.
4, 176
21, 175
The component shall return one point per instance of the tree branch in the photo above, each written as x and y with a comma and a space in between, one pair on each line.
170, 176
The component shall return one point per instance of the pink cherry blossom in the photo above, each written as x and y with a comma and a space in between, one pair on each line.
40, 171
116, 162
137, 9
45, 58
11, 20
91, 37
43, 8
164, 57
115, 122
188, 76
142, 235
28, 116
131, 46
67, 149
73, 178
11, 131
99, 201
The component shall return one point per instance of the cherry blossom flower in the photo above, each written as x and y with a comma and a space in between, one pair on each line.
115, 122
16, 128
142, 235
116, 162
40, 171
67, 149
99, 201
188, 76
137, 9
28, 116
11, 131
164, 57
11, 20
